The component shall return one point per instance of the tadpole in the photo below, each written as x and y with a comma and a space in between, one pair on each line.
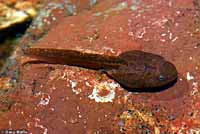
133, 70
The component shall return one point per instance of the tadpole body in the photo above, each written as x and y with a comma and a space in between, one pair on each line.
132, 69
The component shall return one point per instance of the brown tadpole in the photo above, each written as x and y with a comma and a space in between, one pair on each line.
134, 70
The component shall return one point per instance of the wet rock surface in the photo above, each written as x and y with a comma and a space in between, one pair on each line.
67, 99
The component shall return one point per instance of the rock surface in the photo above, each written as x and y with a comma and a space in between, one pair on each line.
67, 99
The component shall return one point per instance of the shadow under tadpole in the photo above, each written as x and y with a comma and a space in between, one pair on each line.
177, 89
152, 90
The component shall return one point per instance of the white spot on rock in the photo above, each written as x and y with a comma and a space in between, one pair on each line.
140, 33
104, 92
195, 88
189, 76
45, 130
73, 87
45, 99
174, 39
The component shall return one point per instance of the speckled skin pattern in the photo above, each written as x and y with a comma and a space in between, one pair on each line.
132, 69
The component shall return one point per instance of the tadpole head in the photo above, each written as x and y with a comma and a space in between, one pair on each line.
144, 72
168, 73
160, 75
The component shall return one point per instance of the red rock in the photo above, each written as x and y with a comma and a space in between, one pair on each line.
57, 99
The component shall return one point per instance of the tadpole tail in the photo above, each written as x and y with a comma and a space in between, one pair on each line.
74, 58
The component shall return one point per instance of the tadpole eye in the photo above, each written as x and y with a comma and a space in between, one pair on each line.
161, 78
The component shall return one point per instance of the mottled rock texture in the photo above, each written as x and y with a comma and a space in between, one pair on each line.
66, 99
